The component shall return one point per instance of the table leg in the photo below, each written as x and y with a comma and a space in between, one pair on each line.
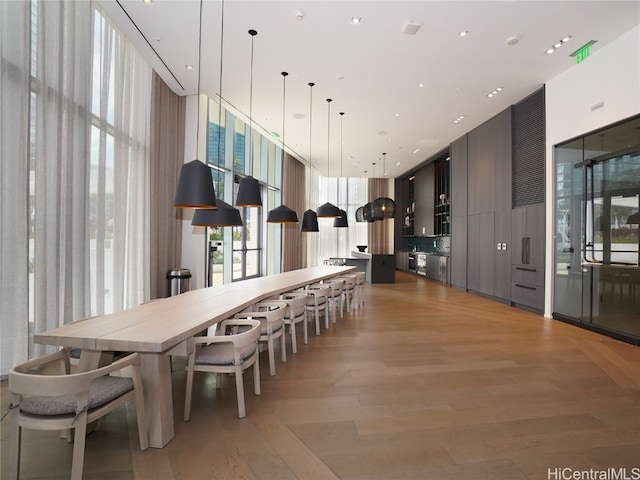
156, 380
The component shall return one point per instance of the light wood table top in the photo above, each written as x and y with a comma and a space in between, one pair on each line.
157, 326
160, 328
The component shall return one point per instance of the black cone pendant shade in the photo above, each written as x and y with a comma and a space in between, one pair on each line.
224, 216
249, 193
309, 217
360, 215
282, 214
341, 221
195, 187
310, 221
249, 188
328, 210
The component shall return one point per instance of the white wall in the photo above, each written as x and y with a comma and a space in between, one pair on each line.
610, 75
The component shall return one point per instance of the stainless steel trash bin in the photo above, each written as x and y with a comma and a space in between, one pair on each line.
178, 281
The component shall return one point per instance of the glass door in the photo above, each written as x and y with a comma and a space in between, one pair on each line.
247, 248
597, 274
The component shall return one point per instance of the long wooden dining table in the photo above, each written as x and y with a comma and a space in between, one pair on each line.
162, 327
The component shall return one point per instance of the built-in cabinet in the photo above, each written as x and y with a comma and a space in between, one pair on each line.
495, 206
527, 256
458, 259
423, 196
489, 207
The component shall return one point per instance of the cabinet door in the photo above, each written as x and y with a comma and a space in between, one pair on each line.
536, 232
458, 259
518, 232
481, 248
424, 189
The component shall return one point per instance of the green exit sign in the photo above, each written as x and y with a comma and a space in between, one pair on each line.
583, 52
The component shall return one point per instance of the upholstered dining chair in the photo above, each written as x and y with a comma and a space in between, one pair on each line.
317, 303
335, 297
233, 349
296, 313
271, 315
47, 397
349, 289
361, 278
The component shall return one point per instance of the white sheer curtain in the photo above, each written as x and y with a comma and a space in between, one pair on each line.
59, 194
74, 173
14, 182
347, 194
120, 172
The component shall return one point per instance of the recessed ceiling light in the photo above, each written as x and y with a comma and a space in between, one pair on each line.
421, 85
463, 33
495, 92
416, 150
559, 44
397, 114
148, 2
459, 119
356, 20
189, 67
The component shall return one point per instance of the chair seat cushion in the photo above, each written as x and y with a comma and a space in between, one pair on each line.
102, 390
275, 326
221, 354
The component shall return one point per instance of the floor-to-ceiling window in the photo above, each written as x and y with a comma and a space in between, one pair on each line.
78, 139
597, 255
347, 194
234, 151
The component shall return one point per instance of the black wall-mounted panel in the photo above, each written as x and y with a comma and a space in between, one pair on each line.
528, 143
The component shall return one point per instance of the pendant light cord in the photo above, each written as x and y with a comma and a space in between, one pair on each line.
220, 93
199, 64
328, 133
253, 33
284, 94
311, 85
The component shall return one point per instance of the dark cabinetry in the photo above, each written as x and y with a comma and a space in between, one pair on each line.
489, 207
423, 194
527, 256
458, 259
442, 209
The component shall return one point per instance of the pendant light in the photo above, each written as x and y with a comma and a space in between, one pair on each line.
195, 186
309, 218
341, 221
376, 214
328, 210
360, 214
249, 188
225, 215
383, 207
283, 214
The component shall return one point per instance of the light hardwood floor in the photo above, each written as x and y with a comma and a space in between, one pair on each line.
424, 382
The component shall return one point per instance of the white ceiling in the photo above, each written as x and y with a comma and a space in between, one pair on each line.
370, 70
